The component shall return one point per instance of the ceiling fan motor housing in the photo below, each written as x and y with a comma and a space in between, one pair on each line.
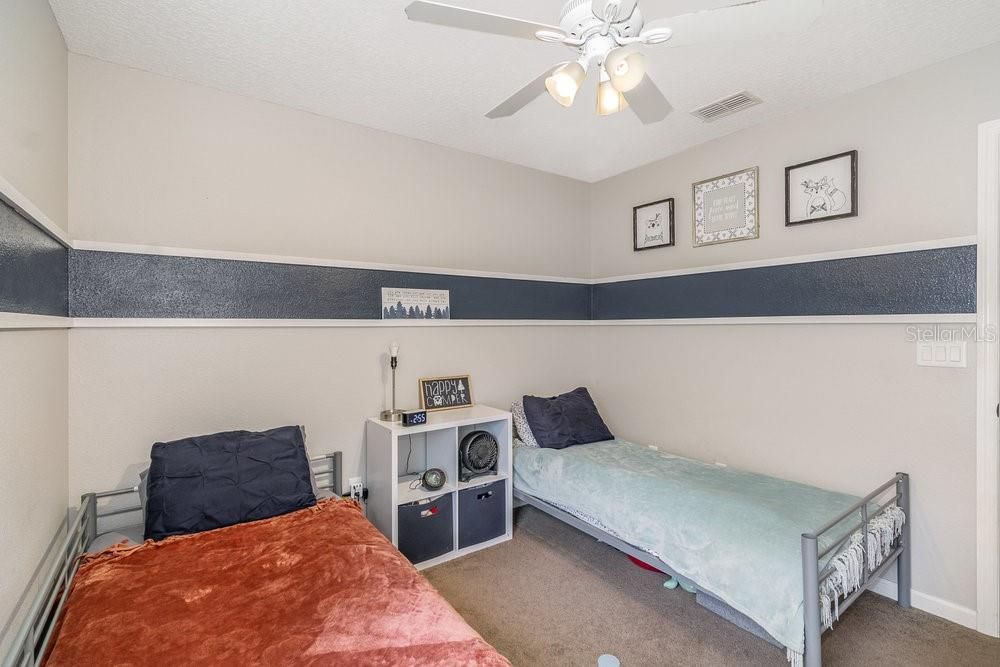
578, 17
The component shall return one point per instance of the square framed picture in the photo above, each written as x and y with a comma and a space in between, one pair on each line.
653, 225
823, 189
725, 208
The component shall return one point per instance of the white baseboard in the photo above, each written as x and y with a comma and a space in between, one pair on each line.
932, 605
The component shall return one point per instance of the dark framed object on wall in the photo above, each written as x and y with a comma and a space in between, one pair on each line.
653, 225
448, 392
823, 189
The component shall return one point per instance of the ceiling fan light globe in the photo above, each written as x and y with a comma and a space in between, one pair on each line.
565, 87
626, 69
609, 100
565, 82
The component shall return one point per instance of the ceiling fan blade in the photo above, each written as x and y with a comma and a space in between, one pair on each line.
745, 21
471, 19
523, 97
648, 103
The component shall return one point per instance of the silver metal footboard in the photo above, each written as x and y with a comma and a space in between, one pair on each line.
811, 555
813, 576
35, 632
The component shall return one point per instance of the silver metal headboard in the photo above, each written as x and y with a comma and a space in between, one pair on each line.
35, 632
327, 469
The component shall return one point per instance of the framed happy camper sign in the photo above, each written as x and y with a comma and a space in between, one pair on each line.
445, 393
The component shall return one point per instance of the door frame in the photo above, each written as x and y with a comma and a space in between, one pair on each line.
988, 379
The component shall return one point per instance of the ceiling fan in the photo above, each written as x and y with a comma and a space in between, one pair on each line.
607, 34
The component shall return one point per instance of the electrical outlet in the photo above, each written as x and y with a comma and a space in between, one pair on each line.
357, 487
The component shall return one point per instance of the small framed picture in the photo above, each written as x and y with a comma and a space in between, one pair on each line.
653, 225
725, 208
824, 189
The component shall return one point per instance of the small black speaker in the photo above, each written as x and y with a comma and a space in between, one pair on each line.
478, 455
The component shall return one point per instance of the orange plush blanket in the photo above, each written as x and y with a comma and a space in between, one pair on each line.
320, 586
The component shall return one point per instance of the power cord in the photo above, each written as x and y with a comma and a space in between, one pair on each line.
409, 443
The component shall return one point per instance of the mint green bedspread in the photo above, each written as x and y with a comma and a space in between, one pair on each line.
735, 534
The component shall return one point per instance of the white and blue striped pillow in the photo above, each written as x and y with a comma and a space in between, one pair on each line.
522, 430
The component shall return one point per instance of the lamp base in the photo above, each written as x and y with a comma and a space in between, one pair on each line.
391, 416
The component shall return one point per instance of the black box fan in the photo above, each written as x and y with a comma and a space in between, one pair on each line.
477, 455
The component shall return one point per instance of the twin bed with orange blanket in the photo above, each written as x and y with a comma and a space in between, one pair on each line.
318, 586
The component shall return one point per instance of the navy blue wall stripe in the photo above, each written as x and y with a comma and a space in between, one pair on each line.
125, 285
32, 268
108, 284
921, 282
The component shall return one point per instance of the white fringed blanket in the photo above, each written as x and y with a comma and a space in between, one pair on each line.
848, 565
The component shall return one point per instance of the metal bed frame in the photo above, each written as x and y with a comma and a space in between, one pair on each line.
35, 632
812, 575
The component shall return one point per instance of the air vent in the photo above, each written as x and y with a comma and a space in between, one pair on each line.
727, 106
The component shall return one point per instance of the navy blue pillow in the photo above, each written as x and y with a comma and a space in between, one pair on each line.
218, 480
565, 420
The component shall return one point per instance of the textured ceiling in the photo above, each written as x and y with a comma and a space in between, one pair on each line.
364, 62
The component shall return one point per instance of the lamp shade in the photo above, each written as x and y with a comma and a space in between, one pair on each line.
565, 82
625, 68
609, 100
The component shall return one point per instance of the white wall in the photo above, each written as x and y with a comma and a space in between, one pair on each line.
130, 388
916, 138
33, 78
33, 364
163, 162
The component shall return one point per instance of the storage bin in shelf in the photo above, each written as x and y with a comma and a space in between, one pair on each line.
405, 494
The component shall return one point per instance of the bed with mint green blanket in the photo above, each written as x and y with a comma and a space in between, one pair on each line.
735, 534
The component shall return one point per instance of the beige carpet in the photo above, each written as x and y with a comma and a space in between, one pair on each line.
555, 596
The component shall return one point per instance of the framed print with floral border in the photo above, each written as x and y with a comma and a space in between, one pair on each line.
725, 208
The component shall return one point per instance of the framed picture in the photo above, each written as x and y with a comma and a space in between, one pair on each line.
725, 208
824, 189
653, 225
445, 393
400, 303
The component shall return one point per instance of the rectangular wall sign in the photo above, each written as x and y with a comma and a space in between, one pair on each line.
446, 393
415, 304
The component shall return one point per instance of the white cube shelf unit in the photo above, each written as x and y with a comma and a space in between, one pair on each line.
397, 455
